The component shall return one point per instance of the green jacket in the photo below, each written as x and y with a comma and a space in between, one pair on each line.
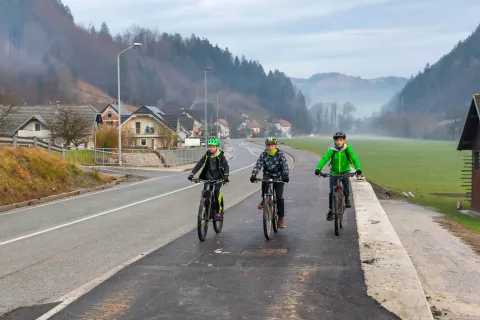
341, 159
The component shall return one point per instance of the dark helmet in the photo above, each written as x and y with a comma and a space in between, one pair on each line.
339, 135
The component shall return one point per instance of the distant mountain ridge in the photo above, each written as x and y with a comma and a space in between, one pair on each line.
368, 95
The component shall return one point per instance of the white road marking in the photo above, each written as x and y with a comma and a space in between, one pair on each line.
102, 213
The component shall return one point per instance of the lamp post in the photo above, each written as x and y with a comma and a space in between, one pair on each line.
136, 44
206, 116
217, 116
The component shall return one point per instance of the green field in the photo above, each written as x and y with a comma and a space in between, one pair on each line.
400, 165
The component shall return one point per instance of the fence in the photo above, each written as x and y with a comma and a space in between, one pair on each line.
109, 157
29, 142
180, 157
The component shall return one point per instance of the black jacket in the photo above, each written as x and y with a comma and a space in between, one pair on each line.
222, 164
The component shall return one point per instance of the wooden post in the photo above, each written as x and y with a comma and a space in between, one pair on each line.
35, 142
15, 143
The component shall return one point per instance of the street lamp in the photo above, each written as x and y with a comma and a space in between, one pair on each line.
217, 115
206, 117
136, 44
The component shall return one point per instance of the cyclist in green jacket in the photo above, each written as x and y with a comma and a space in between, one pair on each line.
341, 156
214, 166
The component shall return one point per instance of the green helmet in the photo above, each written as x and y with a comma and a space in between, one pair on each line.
213, 142
271, 140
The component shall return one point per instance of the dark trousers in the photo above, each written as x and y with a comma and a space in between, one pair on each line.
278, 187
217, 196
346, 188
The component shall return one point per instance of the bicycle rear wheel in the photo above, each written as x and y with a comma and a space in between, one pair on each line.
274, 217
341, 210
267, 218
202, 220
335, 209
218, 224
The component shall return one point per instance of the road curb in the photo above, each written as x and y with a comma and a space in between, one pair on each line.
390, 276
55, 197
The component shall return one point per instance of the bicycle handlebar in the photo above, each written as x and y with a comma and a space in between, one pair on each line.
269, 180
208, 181
349, 174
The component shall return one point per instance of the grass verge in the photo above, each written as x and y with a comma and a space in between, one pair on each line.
31, 173
431, 170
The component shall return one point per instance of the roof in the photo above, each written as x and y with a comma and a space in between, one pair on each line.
21, 115
200, 106
186, 122
224, 122
284, 123
124, 111
470, 127
172, 121
198, 115
252, 123
158, 115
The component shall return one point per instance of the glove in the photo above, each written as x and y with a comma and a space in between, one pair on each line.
226, 179
190, 177
359, 172
285, 179
253, 179
317, 172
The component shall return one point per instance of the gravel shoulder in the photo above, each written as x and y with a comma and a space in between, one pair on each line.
448, 268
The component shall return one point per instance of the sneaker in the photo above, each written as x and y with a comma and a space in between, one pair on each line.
330, 215
219, 216
260, 206
348, 204
281, 223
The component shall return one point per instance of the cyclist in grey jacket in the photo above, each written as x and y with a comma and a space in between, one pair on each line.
275, 166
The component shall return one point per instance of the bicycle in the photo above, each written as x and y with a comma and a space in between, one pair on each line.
270, 215
205, 210
338, 202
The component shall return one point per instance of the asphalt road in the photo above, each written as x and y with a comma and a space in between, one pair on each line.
304, 272
49, 250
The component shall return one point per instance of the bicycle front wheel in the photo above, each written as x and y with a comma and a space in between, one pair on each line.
335, 211
202, 221
267, 218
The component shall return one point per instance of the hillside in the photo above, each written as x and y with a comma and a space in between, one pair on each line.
45, 57
446, 85
30, 173
368, 95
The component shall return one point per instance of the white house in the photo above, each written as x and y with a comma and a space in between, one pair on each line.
223, 128
285, 127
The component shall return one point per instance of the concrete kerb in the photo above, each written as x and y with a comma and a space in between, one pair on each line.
390, 276
55, 197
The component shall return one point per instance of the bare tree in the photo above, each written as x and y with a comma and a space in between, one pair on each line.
166, 136
70, 126
4, 113
454, 121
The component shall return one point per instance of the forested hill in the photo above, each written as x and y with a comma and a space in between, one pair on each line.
448, 84
45, 56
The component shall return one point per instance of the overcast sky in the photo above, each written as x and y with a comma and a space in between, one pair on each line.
367, 38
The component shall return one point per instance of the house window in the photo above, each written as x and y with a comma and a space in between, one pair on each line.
143, 142
109, 115
137, 128
38, 127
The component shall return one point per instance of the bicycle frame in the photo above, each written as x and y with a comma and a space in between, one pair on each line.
207, 194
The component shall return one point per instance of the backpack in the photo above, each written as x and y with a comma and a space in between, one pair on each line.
348, 157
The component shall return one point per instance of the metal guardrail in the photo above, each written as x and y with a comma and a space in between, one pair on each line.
179, 157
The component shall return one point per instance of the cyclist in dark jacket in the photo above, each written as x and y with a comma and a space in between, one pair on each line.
275, 166
214, 166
